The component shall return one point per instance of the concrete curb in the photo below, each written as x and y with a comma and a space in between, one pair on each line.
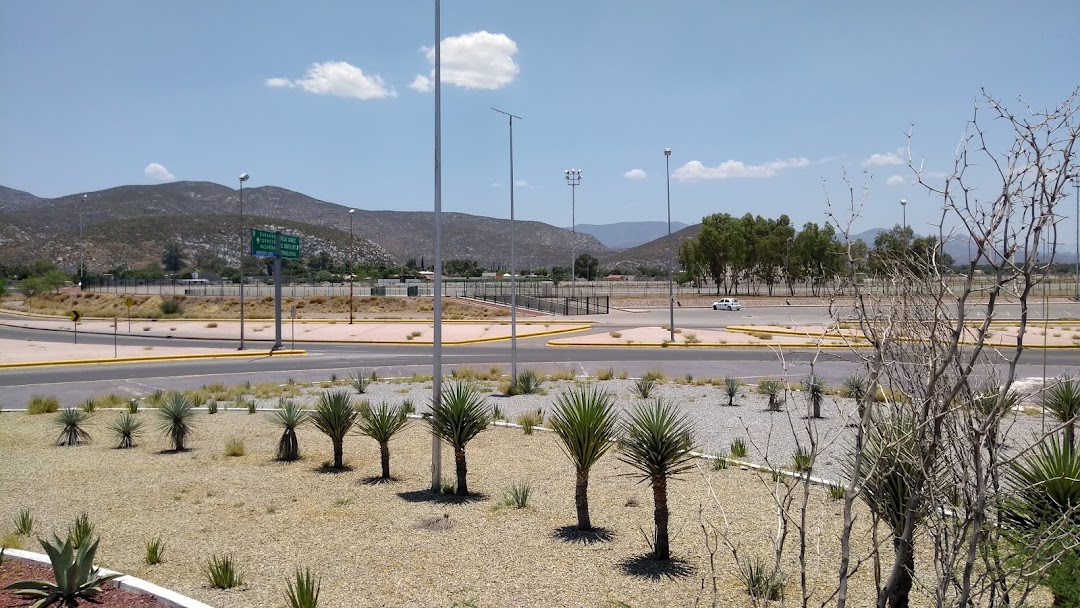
125, 582
153, 358
698, 345
34, 315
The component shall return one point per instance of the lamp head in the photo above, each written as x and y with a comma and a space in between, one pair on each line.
903, 201
244, 177
352, 211
667, 151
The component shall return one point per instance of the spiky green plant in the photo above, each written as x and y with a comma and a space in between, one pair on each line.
657, 440
774, 389
133, 406
528, 420
289, 416
211, 407
175, 419
251, 406
334, 416
854, 387
585, 422
644, 387
81, 531
460, 415
763, 581
801, 461
1044, 486
815, 391
70, 421
360, 381
90, 405
302, 591
1062, 401
73, 570
155, 551
837, 491
126, 429
528, 382
732, 386
739, 448
221, 572
407, 407
24, 523
517, 495
381, 423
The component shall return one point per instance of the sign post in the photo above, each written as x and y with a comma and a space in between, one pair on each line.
75, 316
275, 245
292, 315
129, 302
277, 291
114, 330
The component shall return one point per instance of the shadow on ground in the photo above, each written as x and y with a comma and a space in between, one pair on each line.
646, 566
571, 534
439, 498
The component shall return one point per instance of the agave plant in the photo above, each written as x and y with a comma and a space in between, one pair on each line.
815, 391
732, 386
334, 416
1063, 403
360, 381
527, 382
774, 389
585, 421
126, 428
71, 421
456, 418
76, 577
175, 416
656, 440
381, 423
289, 417
302, 591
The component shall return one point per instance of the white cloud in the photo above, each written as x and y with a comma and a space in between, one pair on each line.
520, 183
635, 174
340, 79
895, 180
694, 170
159, 173
479, 60
883, 160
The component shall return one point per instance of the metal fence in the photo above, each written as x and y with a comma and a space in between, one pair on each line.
597, 305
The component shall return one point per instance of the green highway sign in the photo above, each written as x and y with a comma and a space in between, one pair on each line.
264, 245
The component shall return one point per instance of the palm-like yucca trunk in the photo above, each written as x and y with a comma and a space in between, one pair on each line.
339, 462
660, 516
896, 591
288, 446
462, 472
581, 500
384, 454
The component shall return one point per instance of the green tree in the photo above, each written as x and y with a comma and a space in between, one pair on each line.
334, 416
584, 419
585, 267
559, 274
691, 261
457, 418
172, 258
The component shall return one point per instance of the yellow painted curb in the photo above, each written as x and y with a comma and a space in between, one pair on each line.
152, 358
445, 343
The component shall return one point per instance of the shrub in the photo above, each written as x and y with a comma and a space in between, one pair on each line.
126, 429
732, 386
528, 382
854, 387
235, 447
459, 416
172, 306
605, 374
81, 532
837, 491
1063, 582
529, 420
289, 416
623, 375
691, 338
762, 580
381, 423
407, 407
74, 572
360, 381
155, 551
719, 461
774, 389
211, 407
517, 495
42, 404
334, 416
133, 406
616, 334
302, 591
251, 406
221, 572
655, 375
175, 417
644, 387
24, 523
801, 460
497, 413
738, 448
71, 421
90, 405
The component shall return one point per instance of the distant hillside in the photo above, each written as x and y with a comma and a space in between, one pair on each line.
654, 252
624, 235
131, 223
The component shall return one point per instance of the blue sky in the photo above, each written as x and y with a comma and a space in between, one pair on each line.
759, 101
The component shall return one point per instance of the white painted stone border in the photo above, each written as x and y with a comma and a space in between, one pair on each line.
125, 582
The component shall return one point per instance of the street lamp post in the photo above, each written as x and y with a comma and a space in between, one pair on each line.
670, 262
513, 265
1076, 186
352, 275
436, 366
82, 244
243, 235
903, 208
573, 178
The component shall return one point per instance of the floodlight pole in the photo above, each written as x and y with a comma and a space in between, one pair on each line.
243, 233
513, 280
82, 243
670, 263
436, 367
352, 274
573, 178
1076, 186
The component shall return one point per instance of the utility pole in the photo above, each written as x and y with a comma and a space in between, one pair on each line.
436, 368
670, 262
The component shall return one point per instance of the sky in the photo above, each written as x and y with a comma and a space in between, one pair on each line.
765, 105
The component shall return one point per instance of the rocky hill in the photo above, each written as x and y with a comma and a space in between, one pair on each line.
653, 253
130, 224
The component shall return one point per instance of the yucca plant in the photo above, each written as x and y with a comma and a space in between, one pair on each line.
801, 461
211, 407
732, 386
90, 405
381, 423
657, 440
126, 429
73, 569
81, 532
527, 382
133, 406
155, 551
1044, 486
302, 591
289, 416
460, 414
175, 419
360, 381
774, 389
815, 391
585, 422
71, 421
762, 580
517, 495
739, 448
221, 572
24, 523
334, 416
855, 387
1062, 401
644, 387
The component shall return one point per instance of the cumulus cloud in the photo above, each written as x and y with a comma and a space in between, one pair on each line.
520, 183
895, 180
635, 174
883, 160
337, 78
479, 60
158, 172
695, 170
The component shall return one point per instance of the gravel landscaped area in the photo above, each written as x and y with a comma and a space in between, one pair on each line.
370, 542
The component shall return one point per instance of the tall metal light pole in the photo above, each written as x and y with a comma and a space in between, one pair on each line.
670, 261
573, 178
82, 244
436, 367
243, 238
513, 266
903, 207
1076, 186
352, 276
